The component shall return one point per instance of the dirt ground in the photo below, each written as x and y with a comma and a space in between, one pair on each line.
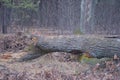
57, 66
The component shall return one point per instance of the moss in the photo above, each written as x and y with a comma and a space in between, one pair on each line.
77, 31
91, 61
29, 48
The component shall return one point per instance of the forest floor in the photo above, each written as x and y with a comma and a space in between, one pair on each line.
51, 66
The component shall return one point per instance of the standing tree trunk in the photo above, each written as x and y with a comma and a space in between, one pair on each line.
87, 16
4, 27
6, 17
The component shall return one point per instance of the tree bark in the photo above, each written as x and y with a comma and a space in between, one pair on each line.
5, 18
99, 46
87, 16
4, 27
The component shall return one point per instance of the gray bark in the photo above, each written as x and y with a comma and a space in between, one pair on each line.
87, 16
96, 46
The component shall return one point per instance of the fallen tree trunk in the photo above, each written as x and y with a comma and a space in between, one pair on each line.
99, 46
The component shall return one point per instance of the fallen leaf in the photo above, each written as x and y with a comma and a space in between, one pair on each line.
6, 56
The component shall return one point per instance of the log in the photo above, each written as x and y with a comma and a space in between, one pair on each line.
97, 46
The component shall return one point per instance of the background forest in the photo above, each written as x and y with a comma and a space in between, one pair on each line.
61, 15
